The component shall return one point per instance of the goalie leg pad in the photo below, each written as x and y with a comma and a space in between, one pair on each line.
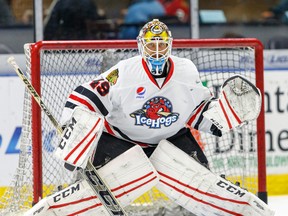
129, 175
80, 137
73, 200
198, 190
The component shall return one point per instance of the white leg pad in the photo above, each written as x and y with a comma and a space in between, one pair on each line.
77, 199
128, 176
197, 189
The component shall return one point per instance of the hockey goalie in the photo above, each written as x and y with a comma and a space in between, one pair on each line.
131, 123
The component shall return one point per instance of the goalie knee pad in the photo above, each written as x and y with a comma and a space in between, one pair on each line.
128, 176
198, 190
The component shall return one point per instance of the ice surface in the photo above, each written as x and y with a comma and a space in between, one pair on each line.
279, 204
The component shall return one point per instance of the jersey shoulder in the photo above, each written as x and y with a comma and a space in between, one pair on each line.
184, 68
131, 60
181, 63
125, 63
124, 72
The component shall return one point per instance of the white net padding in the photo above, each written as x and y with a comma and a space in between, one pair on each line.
62, 69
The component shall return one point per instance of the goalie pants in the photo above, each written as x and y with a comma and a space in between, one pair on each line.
109, 147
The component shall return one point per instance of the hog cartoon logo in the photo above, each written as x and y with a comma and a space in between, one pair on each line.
155, 113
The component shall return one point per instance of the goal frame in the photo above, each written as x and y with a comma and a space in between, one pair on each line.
177, 43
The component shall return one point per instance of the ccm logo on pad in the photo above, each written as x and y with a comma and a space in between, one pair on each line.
67, 133
231, 188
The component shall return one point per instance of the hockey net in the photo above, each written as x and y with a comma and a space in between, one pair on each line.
56, 68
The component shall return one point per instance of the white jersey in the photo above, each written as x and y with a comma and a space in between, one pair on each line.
138, 108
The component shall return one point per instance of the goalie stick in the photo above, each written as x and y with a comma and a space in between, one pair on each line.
90, 173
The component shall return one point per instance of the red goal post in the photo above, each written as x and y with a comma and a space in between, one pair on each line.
56, 67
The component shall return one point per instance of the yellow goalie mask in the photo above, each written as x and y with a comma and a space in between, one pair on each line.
155, 45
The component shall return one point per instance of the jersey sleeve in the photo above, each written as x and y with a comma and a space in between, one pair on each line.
94, 95
198, 122
204, 98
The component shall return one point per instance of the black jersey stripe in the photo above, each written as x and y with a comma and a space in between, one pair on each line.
198, 105
121, 133
70, 105
92, 97
200, 119
129, 139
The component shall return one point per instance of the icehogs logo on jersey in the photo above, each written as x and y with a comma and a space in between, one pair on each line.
155, 113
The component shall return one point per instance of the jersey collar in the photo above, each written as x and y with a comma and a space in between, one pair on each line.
151, 77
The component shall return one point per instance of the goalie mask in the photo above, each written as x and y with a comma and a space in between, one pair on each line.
155, 44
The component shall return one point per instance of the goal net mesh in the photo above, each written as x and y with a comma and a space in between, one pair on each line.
62, 69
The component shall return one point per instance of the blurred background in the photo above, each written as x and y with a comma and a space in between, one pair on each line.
110, 19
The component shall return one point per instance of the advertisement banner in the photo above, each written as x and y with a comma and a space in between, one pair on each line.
11, 97
276, 118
